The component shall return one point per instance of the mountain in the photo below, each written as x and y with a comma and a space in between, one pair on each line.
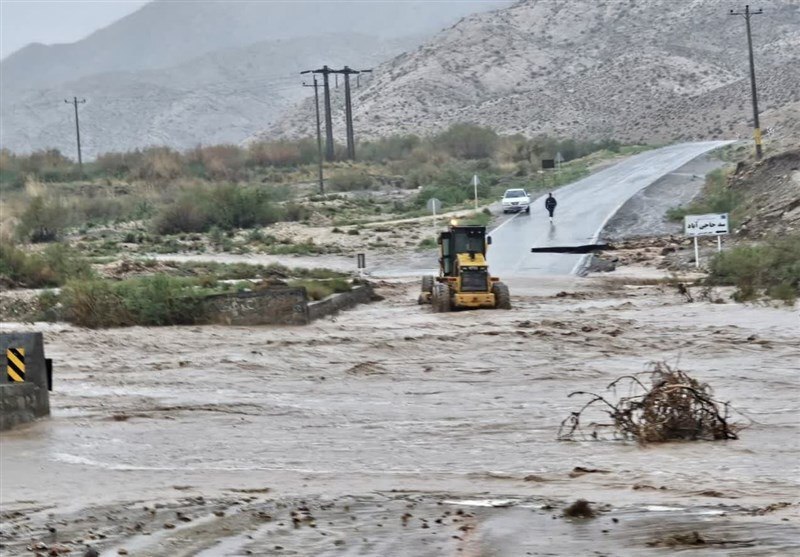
635, 70
181, 73
221, 97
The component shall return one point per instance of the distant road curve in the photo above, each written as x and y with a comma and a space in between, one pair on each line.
584, 208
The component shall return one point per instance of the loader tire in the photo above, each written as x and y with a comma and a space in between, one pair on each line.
427, 283
502, 297
440, 299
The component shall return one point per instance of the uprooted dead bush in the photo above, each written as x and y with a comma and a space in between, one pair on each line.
674, 407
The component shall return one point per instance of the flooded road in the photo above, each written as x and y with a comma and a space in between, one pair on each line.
205, 440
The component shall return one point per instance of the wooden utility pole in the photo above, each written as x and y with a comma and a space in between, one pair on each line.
76, 102
756, 126
319, 133
326, 71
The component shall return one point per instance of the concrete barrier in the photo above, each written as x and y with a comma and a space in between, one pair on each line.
334, 303
273, 306
24, 385
280, 306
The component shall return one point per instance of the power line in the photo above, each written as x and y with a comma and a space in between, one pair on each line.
756, 127
76, 102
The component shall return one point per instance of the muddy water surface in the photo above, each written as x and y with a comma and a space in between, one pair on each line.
389, 410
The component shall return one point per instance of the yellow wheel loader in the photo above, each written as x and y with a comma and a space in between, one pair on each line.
464, 280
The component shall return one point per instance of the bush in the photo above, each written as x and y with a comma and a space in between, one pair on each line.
53, 267
185, 215
94, 304
773, 267
467, 141
149, 301
395, 147
319, 289
226, 207
160, 163
219, 162
350, 180
42, 221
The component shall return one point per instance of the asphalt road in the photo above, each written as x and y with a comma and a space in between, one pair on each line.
584, 207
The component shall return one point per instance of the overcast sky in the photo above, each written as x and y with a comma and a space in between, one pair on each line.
56, 21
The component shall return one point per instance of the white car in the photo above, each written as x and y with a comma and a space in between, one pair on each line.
516, 200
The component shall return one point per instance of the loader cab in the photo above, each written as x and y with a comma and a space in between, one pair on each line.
468, 241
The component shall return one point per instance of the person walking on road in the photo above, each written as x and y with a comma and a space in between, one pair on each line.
550, 204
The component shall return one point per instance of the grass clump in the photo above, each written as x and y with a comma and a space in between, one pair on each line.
57, 264
772, 268
320, 289
149, 301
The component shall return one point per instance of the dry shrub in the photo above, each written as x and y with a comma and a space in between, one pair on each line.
274, 153
222, 162
160, 163
674, 407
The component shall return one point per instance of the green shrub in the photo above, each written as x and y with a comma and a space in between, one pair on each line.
319, 289
772, 267
186, 214
149, 301
226, 207
42, 221
467, 141
394, 147
350, 180
53, 267
94, 304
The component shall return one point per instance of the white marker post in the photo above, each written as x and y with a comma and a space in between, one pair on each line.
475, 182
714, 224
433, 206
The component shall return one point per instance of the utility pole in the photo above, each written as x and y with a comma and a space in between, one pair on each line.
756, 127
348, 113
347, 72
326, 71
348, 108
319, 133
76, 102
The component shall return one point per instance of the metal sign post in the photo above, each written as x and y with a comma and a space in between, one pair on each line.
559, 159
475, 182
712, 224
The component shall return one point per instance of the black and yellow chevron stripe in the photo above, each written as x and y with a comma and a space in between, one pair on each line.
15, 364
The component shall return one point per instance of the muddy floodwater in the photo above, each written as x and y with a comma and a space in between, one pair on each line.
393, 431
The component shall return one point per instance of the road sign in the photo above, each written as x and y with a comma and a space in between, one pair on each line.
712, 224
475, 182
548, 163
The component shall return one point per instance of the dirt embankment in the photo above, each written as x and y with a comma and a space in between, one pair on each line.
770, 192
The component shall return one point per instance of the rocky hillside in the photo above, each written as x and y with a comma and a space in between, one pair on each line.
635, 70
182, 73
